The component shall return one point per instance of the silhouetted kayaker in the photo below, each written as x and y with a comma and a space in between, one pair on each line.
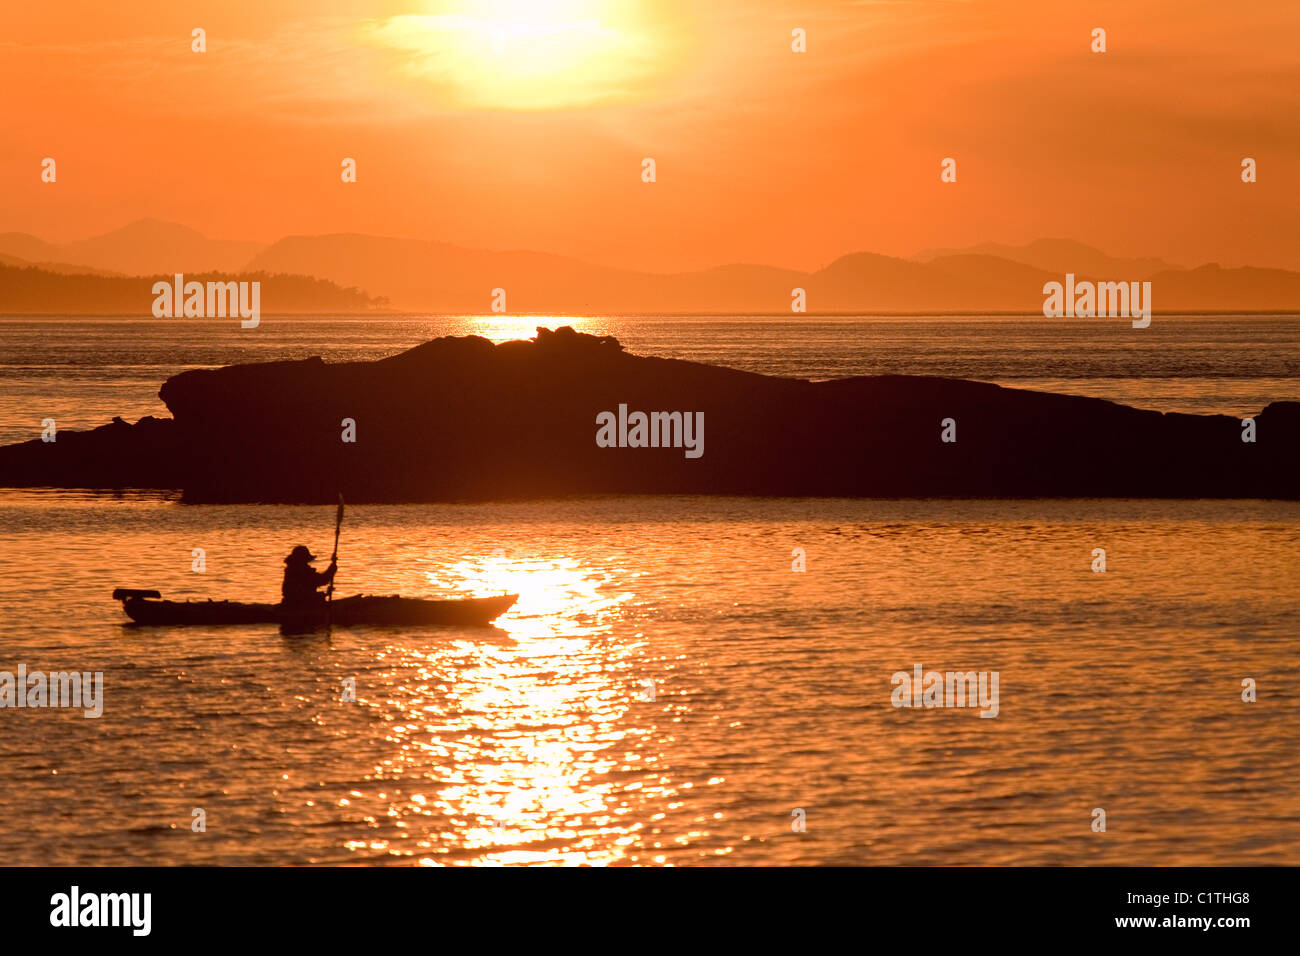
302, 582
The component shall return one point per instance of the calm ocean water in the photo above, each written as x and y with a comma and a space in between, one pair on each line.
536, 741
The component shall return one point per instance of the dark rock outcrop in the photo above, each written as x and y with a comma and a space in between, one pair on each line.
148, 454
462, 419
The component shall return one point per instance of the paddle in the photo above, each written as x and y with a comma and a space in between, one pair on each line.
329, 592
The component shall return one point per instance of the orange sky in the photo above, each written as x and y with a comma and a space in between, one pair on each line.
476, 125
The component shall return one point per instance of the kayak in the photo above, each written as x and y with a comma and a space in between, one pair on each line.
147, 607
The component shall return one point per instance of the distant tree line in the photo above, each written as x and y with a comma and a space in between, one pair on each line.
32, 290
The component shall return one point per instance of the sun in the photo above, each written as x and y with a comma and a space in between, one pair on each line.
533, 28
528, 54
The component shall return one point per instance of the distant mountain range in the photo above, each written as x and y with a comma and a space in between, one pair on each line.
368, 272
1059, 256
145, 247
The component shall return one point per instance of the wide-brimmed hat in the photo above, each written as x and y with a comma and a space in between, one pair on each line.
300, 553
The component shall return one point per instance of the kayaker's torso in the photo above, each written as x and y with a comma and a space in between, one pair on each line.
302, 583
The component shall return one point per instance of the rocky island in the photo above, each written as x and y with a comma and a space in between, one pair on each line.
459, 418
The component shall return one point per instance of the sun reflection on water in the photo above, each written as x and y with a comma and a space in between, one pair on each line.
506, 328
556, 597
523, 744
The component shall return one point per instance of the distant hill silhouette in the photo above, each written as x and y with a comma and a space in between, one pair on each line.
144, 247
40, 291
64, 268
1060, 256
425, 276
432, 276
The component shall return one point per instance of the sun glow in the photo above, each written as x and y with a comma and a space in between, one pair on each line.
503, 327
527, 54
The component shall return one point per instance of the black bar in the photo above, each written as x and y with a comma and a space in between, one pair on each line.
872, 906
